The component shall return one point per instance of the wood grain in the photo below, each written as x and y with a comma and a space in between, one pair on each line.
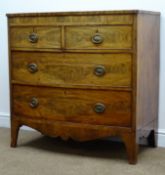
86, 13
65, 85
115, 37
73, 105
147, 73
67, 130
72, 69
72, 20
48, 37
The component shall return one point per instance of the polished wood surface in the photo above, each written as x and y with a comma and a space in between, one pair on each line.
87, 13
85, 75
73, 105
147, 74
48, 37
73, 69
114, 37
70, 18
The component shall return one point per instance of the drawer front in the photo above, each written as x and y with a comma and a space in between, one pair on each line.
69, 19
106, 70
82, 106
35, 37
99, 37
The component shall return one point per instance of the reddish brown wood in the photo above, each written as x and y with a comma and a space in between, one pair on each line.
15, 125
48, 37
147, 73
114, 37
74, 105
73, 69
66, 86
131, 146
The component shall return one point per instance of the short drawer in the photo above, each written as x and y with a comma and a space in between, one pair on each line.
99, 37
35, 37
66, 69
82, 106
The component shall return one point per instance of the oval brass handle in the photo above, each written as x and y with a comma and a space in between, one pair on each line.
33, 38
97, 39
99, 108
99, 70
34, 102
32, 67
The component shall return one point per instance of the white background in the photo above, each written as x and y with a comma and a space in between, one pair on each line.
15, 6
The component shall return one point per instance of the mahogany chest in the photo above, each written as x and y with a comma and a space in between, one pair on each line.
85, 75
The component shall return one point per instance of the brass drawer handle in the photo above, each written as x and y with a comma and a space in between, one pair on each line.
34, 102
99, 108
32, 67
33, 38
97, 38
99, 70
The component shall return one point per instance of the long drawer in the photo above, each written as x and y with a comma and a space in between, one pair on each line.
106, 70
82, 106
72, 19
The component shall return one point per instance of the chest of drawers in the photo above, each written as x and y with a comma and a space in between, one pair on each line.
85, 75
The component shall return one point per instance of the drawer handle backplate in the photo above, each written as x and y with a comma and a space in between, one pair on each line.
34, 102
97, 38
32, 67
33, 38
99, 70
99, 108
